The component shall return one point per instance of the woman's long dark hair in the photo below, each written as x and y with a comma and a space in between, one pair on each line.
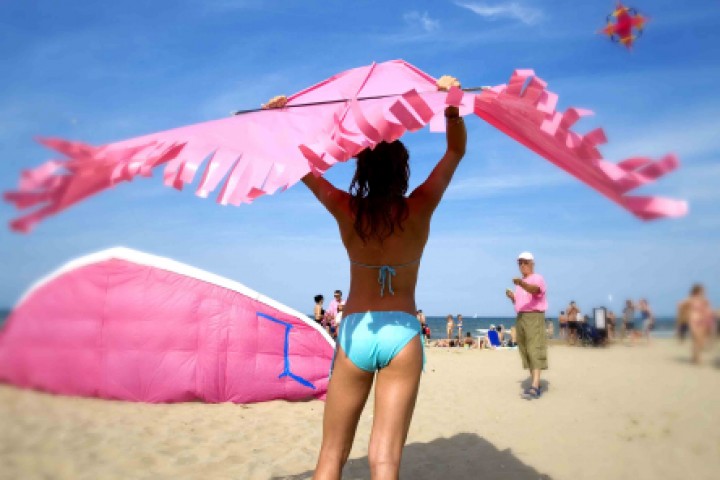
377, 191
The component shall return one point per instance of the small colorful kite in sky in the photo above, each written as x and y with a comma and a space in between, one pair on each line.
624, 25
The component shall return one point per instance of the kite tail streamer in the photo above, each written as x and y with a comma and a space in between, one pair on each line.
525, 110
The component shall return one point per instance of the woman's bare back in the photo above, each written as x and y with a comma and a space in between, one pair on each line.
402, 252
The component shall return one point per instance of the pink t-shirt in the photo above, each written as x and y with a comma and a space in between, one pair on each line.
332, 309
525, 301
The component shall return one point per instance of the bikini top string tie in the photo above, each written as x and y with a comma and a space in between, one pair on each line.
386, 272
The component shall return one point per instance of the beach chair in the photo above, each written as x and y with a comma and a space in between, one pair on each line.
494, 339
590, 335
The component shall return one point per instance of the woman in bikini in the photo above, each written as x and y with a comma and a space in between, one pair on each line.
450, 325
701, 319
319, 311
384, 232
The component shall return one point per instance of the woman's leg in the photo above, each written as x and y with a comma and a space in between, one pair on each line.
347, 393
396, 390
698, 342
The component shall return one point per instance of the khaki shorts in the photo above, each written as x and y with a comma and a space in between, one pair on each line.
532, 340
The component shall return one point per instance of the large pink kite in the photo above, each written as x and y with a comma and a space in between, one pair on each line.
258, 153
121, 324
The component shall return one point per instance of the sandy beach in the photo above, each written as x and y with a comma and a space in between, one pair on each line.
638, 412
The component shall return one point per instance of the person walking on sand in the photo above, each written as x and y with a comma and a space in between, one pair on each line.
449, 326
563, 325
611, 325
384, 232
572, 315
629, 320
318, 311
682, 321
648, 319
701, 320
423, 327
530, 303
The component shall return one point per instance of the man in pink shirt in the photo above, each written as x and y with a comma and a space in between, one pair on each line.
332, 309
530, 304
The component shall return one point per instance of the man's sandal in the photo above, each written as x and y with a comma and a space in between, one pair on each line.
532, 392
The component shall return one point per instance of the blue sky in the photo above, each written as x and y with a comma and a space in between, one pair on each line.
103, 71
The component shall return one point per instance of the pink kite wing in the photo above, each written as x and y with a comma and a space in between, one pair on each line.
525, 110
246, 155
257, 153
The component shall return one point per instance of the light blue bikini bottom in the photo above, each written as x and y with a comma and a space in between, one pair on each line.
372, 339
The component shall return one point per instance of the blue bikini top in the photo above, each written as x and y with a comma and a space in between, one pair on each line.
385, 274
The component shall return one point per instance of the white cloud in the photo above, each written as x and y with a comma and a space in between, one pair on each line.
513, 10
486, 186
427, 24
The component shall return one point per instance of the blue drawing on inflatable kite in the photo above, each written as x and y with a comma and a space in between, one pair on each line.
286, 371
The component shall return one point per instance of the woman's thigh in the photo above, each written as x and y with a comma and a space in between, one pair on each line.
396, 390
347, 393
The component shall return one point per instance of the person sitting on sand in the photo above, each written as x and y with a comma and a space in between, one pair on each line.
444, 342
468, 341
513, 337
491, 339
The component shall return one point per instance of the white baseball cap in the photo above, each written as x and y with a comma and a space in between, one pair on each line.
526, 256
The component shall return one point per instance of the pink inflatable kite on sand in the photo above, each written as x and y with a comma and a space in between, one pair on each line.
260, 152
121, 324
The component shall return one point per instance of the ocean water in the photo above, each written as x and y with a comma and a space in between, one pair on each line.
664, 326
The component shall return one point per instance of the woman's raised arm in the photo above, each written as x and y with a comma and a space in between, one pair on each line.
430, 192
332, 198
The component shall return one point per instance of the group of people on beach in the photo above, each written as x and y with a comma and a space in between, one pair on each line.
638, 321
695, 316
329, 319
495, 336
379, 342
